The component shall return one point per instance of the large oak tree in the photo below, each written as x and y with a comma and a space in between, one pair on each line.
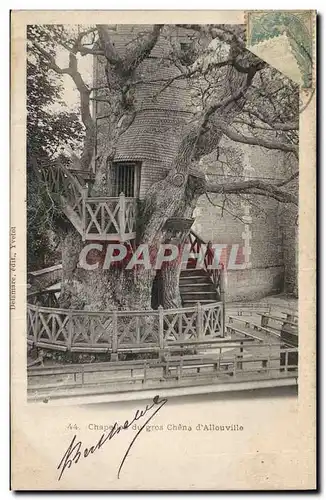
238, 97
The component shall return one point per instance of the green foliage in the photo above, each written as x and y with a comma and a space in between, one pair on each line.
48, 133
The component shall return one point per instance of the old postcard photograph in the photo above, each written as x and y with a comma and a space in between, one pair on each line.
162, 250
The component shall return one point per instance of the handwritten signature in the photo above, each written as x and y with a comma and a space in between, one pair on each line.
75, 450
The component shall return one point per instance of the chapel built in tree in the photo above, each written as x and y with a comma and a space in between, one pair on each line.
166, 105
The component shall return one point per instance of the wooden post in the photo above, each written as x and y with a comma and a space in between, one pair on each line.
82, 375
286, 360
114, 355
84, 195
181, 333
36, 325
264, 321
102, 221
122, 215
282, 358
161, 329
222, 288
269, 356
70, 330
181, 369
240, 365
234, 366
200, 321
145, 374
137, 330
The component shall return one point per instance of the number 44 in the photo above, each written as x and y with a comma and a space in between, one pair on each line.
72, 426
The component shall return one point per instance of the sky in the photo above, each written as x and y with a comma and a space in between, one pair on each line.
70, 93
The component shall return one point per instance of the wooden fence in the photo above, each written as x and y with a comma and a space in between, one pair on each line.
95, 218
109, 218
85, 331
259, 361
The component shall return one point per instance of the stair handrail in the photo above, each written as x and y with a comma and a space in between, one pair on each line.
197, 236
46, 297
215, 275
59, 167
71, 176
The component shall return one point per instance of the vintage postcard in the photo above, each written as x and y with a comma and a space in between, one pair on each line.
162, 250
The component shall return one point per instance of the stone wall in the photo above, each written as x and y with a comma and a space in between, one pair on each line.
289, 227
265, 230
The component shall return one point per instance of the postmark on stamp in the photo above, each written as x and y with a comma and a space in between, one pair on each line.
284, 39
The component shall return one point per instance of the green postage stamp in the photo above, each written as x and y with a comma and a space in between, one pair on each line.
268, 29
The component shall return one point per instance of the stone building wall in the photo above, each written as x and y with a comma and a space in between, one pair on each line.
259, 269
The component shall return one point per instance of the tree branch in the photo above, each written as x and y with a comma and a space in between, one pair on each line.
228, 100
51, 60
295, 175
143, 49
257, 187
224, 209
108, 48
285, 127
84, 92
255, 141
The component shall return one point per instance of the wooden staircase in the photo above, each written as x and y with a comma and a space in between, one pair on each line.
95, 218
200, 285
195, 286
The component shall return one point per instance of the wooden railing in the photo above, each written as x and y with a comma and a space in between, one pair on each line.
196, 247
43, 278
110, 218
261, 362
95, 218
62, 183
45, 298
85, 331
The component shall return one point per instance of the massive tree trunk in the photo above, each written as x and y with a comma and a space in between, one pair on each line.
173, 196
102, 289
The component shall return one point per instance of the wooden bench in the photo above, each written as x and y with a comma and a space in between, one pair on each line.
266, 317
247, 322
230, 365
291, 316
287, 339
75, 369
231, 328
270, 330
81, 384
174, 363
83, 369
178, 363
247, 309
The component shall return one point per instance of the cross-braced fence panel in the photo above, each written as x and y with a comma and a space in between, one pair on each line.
212, 321
137, 329
117, 329
95, 218
180, 326
101, 217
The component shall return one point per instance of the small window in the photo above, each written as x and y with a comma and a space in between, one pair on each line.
125, 178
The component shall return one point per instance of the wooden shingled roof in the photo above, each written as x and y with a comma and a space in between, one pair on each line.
161, 112
154, 135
